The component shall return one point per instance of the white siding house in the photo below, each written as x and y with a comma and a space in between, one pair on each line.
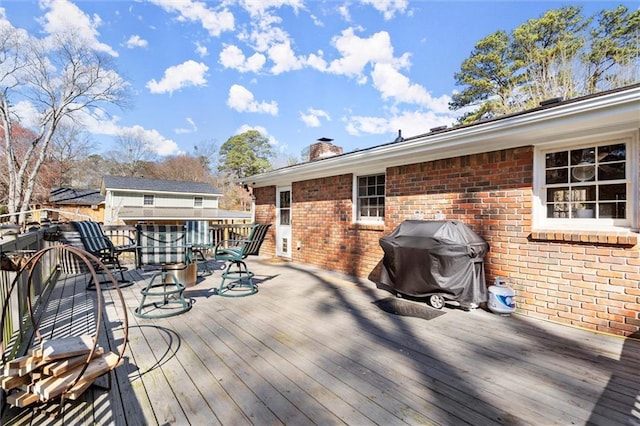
129, 200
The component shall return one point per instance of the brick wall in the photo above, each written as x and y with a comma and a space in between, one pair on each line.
584, 279
265, 199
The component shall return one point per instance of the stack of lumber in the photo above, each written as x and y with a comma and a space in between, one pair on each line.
47, 372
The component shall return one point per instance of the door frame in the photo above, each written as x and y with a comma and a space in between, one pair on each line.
283, 231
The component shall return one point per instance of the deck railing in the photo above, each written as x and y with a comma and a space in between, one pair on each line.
36, 239
16, 307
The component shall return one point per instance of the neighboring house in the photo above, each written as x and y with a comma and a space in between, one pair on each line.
553, 190
75, 204
129, 200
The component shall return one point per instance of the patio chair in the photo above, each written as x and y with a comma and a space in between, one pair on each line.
199, 238
164, 246
235, 251
98, 244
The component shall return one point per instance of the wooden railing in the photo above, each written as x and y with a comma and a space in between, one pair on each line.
23, 245
46, 267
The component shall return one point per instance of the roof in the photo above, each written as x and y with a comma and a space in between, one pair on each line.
71, 196
610, 111
180, 213
137, 184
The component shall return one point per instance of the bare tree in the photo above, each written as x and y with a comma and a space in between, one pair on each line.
60, 79
70, 145
132, 153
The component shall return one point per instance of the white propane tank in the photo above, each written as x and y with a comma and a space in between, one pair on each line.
501, 297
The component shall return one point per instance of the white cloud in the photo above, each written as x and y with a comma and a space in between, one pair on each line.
214, 21
284, 58
201, 50
258, 8
183, 130
99, 123
344, 12
357, 52
28, 115
411, 123
232, 57
388, 7
154, 140
242, 100
135, 41
64, 17
392, 84
189, 73
312, 117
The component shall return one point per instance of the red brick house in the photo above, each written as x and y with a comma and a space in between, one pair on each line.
554, 190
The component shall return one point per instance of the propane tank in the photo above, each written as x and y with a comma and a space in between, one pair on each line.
501, 297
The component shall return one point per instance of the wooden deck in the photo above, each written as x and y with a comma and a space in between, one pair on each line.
312, 347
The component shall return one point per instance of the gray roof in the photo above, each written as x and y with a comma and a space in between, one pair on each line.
84, 197
157, 185
178, 213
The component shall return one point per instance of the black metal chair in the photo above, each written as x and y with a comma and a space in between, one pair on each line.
235, 251
164, 246
98, 244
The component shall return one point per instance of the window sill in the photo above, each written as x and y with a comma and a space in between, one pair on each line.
370, 226
619, 238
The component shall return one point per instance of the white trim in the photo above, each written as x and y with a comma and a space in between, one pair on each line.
540, 221
354, 200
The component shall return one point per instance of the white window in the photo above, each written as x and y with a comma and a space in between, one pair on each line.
148, 200
370, 194
590, 185
197, 201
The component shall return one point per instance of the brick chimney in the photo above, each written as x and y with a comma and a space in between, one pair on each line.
323, 149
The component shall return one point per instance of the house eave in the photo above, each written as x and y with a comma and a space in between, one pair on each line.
613, 112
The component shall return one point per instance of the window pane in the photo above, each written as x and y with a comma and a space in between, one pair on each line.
557, 176
558, 210
612, 153
285, 217
584, 193
584, 155
557, 159
612, 210
583, 173
285, 199
558, 194
612, 192
612, 171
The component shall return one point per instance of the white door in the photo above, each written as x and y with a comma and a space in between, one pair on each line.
283, 221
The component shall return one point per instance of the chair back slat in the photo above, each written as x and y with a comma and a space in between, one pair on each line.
255, 239
93, 239
198, 233
162, 244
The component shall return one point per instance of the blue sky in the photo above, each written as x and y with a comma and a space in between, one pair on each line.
355, 71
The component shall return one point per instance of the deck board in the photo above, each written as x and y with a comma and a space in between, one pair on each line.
311, 347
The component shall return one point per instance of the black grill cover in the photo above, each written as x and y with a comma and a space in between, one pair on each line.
423, 257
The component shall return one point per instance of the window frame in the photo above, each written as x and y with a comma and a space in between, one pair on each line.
540, 219
356, 200
148, 196
197, 205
